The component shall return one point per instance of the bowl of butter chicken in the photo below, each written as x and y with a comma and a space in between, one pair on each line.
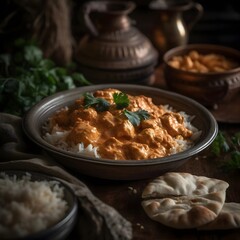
120, 131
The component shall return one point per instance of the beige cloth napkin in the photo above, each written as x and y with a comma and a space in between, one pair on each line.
96, 220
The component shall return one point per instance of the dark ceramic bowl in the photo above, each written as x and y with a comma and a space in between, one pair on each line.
121, 169
207, 88
61, 229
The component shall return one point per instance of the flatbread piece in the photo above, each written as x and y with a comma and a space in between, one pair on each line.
183, 200
228, 218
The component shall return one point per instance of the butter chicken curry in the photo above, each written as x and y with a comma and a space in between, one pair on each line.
122, 126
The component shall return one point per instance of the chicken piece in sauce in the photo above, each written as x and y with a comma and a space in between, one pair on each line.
115, 136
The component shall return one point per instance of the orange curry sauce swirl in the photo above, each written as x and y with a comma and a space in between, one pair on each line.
115, 136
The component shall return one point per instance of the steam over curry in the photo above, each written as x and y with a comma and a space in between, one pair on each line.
120, 126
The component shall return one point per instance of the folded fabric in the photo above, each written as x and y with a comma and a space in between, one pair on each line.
96, 219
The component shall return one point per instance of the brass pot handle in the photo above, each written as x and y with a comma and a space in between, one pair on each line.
229, 89
88, 8
118, 7
198, 8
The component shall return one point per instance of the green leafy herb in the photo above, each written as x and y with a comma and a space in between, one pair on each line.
121, 100
136, 117
26, 77
100, 104
79, 79
229, 150
234, 162
219, 145
236, 139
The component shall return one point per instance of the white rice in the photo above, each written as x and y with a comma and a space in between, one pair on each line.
57, 138
28, 206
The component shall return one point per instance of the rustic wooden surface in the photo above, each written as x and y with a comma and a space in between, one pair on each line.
125, 196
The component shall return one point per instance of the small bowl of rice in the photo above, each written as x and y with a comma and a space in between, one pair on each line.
157, 131
35, 206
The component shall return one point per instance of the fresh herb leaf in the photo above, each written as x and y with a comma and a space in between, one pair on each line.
26, 77
89, 100
234, 162
136, 117
219, 145
100, 104
229, 149
121, 100
79, 79
5, 60
32, 54
236, 139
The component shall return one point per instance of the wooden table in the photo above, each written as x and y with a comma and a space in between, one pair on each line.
125, 196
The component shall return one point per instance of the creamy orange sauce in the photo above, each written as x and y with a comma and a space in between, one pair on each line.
115, 136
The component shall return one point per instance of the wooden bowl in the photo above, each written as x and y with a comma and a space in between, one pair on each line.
208, 88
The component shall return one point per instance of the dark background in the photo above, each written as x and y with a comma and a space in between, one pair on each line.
220, 23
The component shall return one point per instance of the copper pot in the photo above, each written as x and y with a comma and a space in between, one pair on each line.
173, 21
114, 50
207, 88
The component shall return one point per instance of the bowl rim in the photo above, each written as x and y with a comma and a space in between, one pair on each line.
32, 134
202, 46
71, 213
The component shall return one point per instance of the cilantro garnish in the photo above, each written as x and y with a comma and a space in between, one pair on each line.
100, 104
136, 117
121, 100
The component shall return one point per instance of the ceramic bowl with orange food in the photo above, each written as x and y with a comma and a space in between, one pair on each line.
93, 131
207, 73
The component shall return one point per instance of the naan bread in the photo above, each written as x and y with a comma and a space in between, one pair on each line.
182, 200
228, 218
